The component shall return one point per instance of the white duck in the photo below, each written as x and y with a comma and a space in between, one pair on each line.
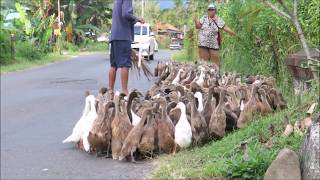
79, 127
177, 79
135, 118
183, 132
92, 115
200, 80
198, 95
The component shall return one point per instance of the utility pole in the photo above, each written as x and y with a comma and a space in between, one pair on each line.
59, 13
141, 31
142, 8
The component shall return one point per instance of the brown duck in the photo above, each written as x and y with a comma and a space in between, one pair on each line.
131, 142
121, 126
249, 108
148, 139
100, 135
198, 123
217, 123
165, 130
263, 105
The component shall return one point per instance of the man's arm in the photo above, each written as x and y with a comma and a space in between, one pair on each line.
127, 11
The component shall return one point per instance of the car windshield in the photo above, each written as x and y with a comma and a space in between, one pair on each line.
137, 30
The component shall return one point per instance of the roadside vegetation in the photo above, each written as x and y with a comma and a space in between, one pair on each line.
265, 40
28, 31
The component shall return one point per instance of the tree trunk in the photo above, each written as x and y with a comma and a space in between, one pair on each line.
301, 36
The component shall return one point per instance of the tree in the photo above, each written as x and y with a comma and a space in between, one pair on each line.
292, 15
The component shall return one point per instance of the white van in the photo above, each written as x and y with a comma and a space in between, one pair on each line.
146, 41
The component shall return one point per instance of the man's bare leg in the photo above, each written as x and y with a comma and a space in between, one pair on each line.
124, 79
112, 77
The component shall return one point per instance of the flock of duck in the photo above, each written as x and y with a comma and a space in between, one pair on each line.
189, 104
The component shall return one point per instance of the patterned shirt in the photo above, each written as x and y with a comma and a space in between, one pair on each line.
208, 34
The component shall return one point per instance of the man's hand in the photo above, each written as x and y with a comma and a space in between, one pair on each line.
141, 20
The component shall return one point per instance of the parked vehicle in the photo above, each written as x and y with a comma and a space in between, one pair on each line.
144, 40
103, 37
175, 44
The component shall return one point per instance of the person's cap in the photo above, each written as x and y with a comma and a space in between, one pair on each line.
211, 6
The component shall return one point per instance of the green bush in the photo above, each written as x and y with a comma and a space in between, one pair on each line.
27, 50
69, 46
5, 47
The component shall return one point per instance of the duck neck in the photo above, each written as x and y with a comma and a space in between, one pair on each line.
164, 109
200, 103
183, 112
117, 105
221, 99
93, 106
253, 93
144, 117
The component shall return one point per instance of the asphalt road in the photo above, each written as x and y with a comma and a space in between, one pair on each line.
39, 108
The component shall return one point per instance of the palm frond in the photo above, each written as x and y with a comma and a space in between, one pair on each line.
135, 60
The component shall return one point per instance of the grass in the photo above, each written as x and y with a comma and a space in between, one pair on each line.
96, 46
223, 158
180, 56
22, 63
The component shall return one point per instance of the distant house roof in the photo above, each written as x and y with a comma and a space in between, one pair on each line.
166, 27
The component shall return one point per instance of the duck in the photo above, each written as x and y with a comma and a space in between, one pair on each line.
276, 99
200, 80
78, 129
164, 74
131, 142
99, 136
190, 78
231, 119
176, 80
172, 74
148, 140
134, 118
263, 105
199, 97
217, 124
198, 123
120, 126
174, 113
173, 96
166, 129
210, 105
248, 109
183, 132
92, 116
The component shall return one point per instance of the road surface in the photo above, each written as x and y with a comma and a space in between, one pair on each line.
39, 108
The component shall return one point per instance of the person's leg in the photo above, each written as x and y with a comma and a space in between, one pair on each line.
214, 57
204, 54
125, 63
112, 77
124, 79
113, 67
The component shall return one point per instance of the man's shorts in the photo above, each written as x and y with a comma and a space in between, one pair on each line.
120, 54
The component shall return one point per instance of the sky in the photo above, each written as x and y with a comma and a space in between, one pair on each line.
166, 4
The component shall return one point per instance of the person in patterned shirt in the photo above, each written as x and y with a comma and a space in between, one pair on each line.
209, 27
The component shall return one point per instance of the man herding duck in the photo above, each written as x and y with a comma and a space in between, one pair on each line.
122, 34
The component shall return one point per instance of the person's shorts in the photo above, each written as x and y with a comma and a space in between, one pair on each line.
120, 54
